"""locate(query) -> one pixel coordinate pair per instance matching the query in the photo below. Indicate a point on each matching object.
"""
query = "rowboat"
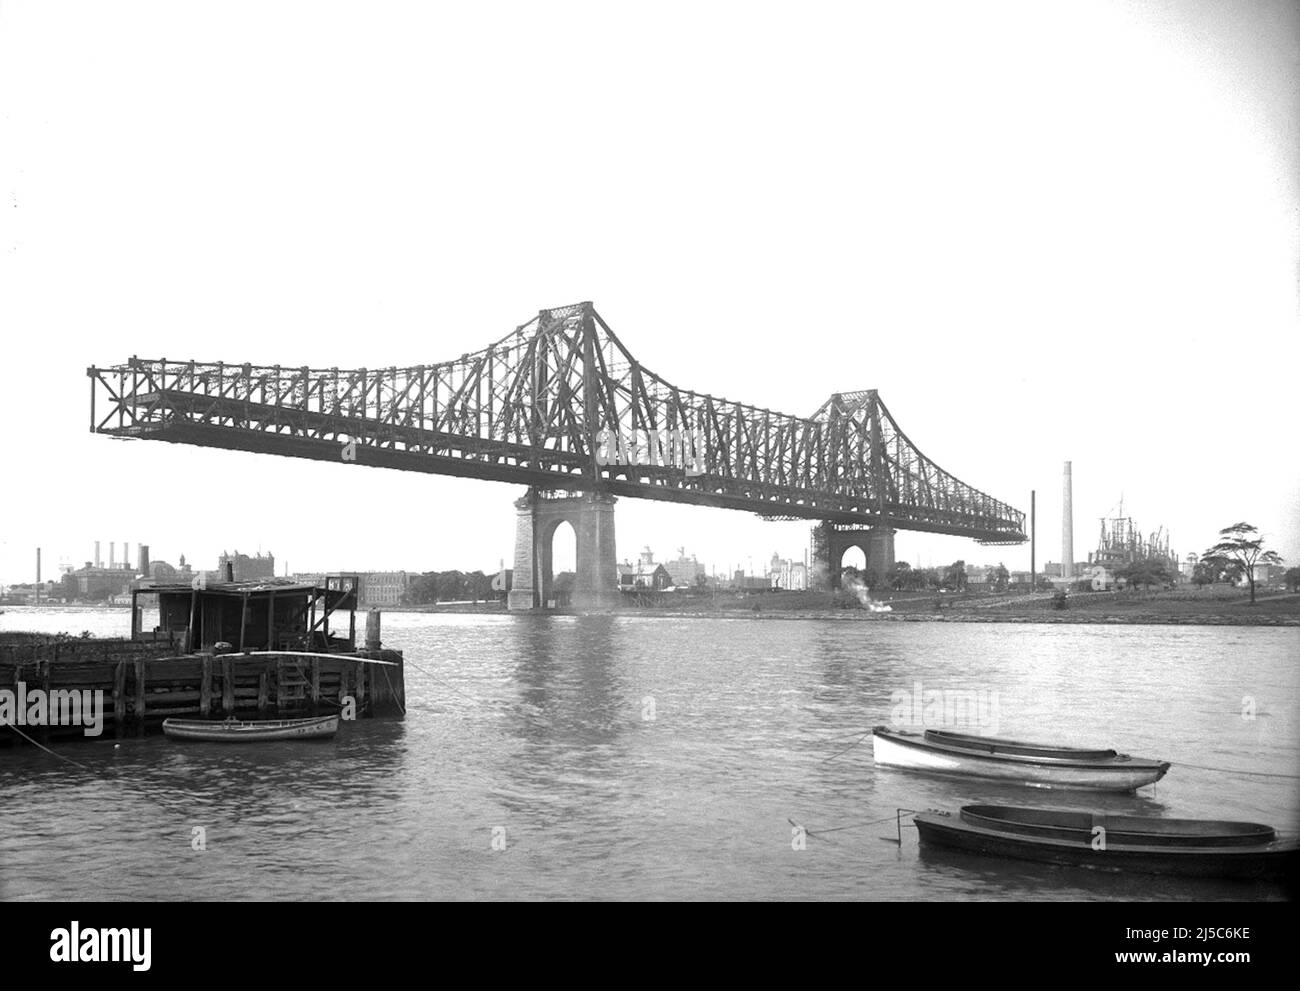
(1036, 765)
(1186, 847)
(251, 730)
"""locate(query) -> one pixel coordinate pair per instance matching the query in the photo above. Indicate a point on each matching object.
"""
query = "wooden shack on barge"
(258, 615)
(270, 649)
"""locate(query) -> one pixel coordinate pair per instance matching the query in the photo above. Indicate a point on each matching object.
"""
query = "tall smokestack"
(1033, 542)
(1067, 526)
(98, 559)
(126, 555)
(142, 551)
(112, 554)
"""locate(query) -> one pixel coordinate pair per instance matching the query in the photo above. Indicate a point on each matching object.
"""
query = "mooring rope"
(393, 690)
(450, 687)
(859, 739)
(1234, 770)
(115, 774)
(836, 829)
(322, 698)
(49, 751)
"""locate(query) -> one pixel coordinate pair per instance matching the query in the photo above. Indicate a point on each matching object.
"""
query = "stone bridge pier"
(591, 514)
(832, 540)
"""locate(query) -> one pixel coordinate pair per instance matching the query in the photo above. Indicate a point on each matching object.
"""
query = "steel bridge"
(559, 404)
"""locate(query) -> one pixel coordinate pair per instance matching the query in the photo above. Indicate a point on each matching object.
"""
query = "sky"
(1044, 232)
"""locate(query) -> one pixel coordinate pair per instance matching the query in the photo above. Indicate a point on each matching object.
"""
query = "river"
(653, 758)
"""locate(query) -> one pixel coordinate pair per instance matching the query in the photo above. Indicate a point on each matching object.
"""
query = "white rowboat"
(1032, 764)
(251, 730)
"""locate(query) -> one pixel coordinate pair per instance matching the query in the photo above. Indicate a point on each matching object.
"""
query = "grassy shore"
(1214, 606)
(1211, 606)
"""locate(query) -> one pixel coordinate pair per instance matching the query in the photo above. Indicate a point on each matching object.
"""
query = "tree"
(1242, 546)
(478, 586)
(903, 577)
(955, 577)
(1292, 578)
(999, 577)
(421, 591)
(900, 576)
(1144, 572)
(1205, 573)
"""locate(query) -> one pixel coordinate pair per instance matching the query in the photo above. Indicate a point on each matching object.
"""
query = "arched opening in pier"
(853, 562)
(559, 569)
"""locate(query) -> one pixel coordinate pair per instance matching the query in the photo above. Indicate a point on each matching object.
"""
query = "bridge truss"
(538, 408)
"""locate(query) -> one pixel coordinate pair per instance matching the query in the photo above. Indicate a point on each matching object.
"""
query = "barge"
(272, 649)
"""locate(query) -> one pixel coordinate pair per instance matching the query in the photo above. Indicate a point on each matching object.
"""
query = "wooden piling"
(140, 678)
(263, 685)
(119, 700)
(228, 686)
(43, 734)
(387, 685)
(205, 688)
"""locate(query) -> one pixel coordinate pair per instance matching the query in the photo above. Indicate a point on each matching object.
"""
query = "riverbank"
(1206, 606)
(1190, 606)
(1210, 607)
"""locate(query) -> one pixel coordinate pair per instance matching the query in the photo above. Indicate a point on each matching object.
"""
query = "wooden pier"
(141, 690)
(292, 667)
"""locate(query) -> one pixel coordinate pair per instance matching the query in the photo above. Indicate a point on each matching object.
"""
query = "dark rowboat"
(1037, 765)
(251, 730)
(1128, 830)
(1187, 847)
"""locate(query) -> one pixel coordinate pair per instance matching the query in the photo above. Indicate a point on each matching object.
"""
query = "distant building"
(1082, 570)
(645, 575)
(99, 584)
(685, 571)
(26, 594)
(377, 588)
(1266, 574)
(1122, 544)
(245, 568)
(787, 574)
(162, 573)
(383, 588)
(741, 582)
